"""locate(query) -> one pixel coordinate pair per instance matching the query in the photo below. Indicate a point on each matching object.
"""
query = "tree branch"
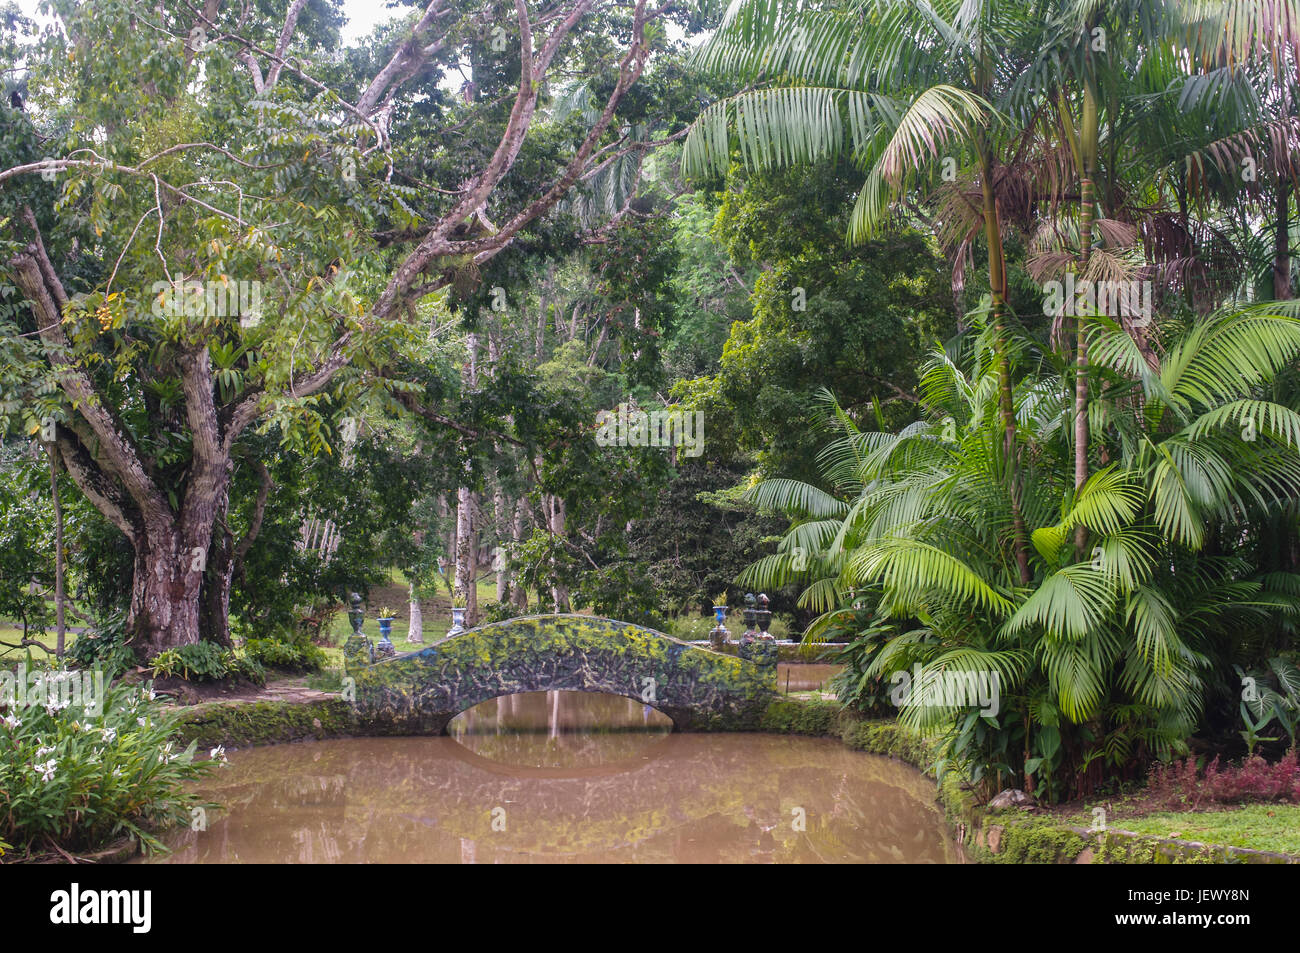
(35, 275)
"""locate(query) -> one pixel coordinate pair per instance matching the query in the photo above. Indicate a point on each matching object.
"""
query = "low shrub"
(500, 612)
(104, 647)
(247, 667)
(692, 628)
(1180, 785)
(201, 662)
(286, 656)
(80, 776)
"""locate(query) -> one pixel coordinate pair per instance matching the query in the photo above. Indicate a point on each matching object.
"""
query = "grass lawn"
(1259, 826)
(12, 656)
(436, 620)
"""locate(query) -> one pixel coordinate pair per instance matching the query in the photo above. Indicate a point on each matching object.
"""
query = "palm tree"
(1102, 661)
(1249, 54)
(907, 88)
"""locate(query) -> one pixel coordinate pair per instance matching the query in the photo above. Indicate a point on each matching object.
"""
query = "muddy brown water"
(567, 777)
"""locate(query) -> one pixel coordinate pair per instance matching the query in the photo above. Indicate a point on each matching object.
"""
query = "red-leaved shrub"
(1179, 785)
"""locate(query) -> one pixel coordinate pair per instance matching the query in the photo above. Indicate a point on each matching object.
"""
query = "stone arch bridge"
(699, 689)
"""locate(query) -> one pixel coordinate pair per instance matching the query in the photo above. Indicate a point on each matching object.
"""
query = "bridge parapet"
(699, 689)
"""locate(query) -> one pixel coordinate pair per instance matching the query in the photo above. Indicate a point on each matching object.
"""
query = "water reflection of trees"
(700, 798)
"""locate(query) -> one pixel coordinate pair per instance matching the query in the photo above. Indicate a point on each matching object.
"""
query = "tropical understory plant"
(77, 777)
(1103, 660)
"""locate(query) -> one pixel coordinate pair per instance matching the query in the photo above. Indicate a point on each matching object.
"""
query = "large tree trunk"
(165, 592)
(218, 575)
(464, 587)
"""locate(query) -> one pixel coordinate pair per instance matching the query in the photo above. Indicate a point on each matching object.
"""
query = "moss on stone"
(1031, 840)
(795, 717)
(244, 724)
(700, 690)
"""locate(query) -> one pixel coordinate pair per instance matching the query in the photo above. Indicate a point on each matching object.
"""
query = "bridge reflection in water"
(566, 776)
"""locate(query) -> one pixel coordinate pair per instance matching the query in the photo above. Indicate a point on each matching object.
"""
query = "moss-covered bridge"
(420, 692)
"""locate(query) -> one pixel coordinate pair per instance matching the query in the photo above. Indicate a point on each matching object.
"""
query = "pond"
(567, 777)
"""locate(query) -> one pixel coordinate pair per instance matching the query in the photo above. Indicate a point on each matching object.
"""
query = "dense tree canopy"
(986, 307)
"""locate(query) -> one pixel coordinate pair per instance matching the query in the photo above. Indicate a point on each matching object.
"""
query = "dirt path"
(292, 689)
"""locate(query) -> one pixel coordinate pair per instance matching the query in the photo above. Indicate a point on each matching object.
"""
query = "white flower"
(46, 771)
(42, 752)
(12, 721)
(218, 754)
(117, 772)
(108, 733)
(140, 722)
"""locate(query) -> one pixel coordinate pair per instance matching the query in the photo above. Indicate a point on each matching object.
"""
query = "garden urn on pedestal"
(719, 635)
(386, 647)
(357, 643)
(751, 620)
(764, 617)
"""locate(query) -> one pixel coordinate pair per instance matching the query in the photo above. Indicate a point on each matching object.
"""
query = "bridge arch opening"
(561, 729)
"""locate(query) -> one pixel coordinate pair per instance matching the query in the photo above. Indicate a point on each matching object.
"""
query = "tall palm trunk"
(1006, 405)
(1282, 241)
(1088, 133)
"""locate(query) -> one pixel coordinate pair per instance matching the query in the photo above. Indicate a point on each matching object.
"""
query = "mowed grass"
(1274, 827)
(12, 656)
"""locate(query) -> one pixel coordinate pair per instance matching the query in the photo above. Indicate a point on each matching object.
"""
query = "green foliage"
(619, 590)
(368, 500)
(689, 627)
(856, 321)
(104, 647)
(287, 656)
(860, 684)
(697, 537)
(499, 611)
(801, 717)
(1103, 658)
(266, 723)
(80, 780)
(202, 662)
(1270, 694)
(1037, 841)
(329, 680)
(26, 534)
(241, 665)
